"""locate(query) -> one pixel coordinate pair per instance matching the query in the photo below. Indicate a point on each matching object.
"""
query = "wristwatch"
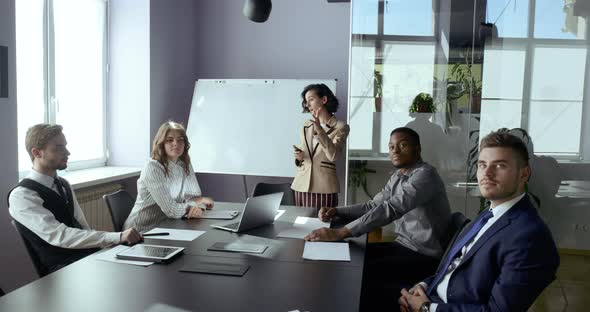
(425, 307)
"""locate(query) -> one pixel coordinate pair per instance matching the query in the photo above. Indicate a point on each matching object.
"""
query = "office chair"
(269, 188)
(458, 222)
(39, 267)
(120, 204)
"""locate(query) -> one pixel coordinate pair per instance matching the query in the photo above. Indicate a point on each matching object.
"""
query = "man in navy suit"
(505, 258)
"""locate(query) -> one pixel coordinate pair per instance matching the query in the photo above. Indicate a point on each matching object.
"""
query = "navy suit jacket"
(508, 266)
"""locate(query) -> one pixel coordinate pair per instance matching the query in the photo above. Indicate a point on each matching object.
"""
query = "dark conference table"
(277, 280)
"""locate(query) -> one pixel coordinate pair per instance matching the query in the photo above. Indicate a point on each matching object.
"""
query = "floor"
(570, 292)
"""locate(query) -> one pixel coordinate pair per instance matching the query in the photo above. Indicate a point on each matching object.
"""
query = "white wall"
(15, 266)
(128, 110)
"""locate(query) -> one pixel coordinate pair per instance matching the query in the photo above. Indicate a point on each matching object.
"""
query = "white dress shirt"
(315, 139)
(498, 211)
(26, 207)
(161, 196)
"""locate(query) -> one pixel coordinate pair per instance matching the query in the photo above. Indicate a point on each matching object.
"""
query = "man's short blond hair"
(39, 135)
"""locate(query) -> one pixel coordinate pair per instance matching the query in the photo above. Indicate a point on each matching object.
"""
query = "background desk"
(278, 280)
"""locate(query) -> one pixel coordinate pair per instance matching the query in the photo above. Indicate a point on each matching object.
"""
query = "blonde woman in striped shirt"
(167, 186)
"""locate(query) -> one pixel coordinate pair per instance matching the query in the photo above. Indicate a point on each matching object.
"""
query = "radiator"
(94, 207)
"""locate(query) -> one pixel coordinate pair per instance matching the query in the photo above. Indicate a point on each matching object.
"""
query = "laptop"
(258, 211)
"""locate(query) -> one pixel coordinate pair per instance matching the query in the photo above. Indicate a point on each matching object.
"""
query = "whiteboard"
(247, 126)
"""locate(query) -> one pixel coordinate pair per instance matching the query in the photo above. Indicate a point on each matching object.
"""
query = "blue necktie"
(459, 244)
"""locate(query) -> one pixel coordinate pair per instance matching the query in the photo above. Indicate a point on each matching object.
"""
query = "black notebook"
(216, 268)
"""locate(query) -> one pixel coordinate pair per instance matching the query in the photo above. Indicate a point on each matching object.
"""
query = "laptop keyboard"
(233, 226)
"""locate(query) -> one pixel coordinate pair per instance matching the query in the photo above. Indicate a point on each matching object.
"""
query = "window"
(556, 20)
(502, 89)
(537, 82)
(392, 60)
(365, 13)
(361, 96)
(407, 70)
(61, 48)
(557, 99)
(408, 18)
(509, 16)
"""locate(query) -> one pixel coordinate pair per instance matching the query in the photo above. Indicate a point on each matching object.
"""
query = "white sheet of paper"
(110, 255)
(175, 234)
(326, 251)
(280, 212)
(303, 226)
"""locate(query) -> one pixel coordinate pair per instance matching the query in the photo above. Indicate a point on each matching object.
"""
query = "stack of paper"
(303, 226)
(326, 251)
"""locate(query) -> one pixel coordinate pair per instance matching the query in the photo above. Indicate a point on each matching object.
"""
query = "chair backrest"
(458, 221)
(120, 204)
(269, 188)
(39, 267)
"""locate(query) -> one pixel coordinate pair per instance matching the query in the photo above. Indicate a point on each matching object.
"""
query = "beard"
(62, 167)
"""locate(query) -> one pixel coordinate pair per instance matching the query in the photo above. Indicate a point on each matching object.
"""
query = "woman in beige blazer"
(322, 138)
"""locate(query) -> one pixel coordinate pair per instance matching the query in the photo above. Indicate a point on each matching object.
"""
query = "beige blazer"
(316, 173)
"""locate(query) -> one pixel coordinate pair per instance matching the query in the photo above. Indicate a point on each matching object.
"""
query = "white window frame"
(51, 104)
(529, 43)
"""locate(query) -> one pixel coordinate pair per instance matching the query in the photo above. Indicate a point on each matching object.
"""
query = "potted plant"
(357, 176)
(378, 89)
(463, 73)
(454, 91)
(423, 103)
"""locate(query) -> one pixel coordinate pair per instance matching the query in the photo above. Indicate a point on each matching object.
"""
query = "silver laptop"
(258, 211)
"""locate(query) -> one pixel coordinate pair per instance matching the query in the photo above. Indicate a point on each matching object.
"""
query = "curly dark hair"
(320, 90)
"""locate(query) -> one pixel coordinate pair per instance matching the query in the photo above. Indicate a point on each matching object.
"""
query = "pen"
(155, 234)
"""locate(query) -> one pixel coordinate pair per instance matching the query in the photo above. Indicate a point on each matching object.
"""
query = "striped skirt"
(316, 200)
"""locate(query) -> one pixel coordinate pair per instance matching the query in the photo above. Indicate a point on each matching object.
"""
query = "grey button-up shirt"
(416, 203)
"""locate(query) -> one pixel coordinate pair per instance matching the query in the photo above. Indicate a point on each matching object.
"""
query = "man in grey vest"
(46, 211)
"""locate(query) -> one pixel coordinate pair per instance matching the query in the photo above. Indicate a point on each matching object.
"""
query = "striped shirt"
(161, 196)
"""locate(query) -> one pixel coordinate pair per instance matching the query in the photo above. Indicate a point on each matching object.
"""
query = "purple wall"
(15, 267)
(174, 51)
(303, 39)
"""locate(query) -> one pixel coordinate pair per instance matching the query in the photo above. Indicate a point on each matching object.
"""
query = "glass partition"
(488, 65)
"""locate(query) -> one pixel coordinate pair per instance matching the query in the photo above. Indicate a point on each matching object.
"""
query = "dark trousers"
(389, 267)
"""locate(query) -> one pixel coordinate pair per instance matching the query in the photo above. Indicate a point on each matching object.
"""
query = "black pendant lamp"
(257, 10)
